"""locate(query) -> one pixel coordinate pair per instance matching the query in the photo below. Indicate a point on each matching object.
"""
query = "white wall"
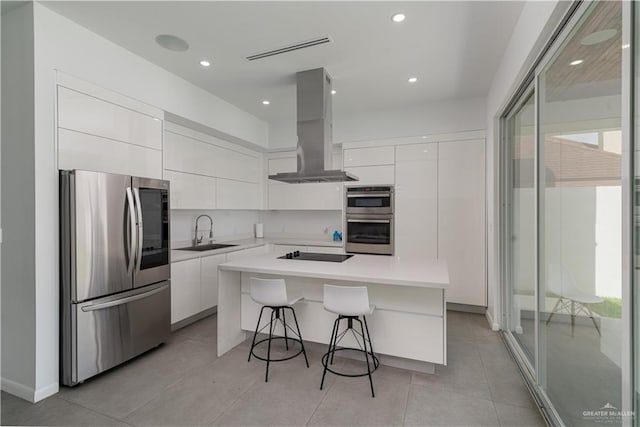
(436, 117)
(18, 204)
(535, 25)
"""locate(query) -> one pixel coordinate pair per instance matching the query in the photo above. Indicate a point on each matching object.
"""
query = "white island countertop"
(381, 269)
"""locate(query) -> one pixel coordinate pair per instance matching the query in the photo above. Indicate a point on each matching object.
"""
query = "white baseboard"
(28, 393)
(19, 390)
(494, 325)
(46, 391)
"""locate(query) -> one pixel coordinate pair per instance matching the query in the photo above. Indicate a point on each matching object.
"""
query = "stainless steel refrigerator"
(114, 270)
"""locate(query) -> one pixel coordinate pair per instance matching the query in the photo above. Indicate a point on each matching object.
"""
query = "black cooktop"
(312, 256)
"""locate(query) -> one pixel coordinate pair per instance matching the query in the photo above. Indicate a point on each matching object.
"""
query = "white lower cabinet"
(209, 280)
(185, 289)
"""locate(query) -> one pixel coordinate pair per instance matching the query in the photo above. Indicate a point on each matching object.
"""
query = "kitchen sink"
(208, 247)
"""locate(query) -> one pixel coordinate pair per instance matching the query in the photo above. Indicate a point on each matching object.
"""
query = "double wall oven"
(369, 220)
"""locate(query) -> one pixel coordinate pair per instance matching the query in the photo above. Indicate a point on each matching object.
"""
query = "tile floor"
(183, 383)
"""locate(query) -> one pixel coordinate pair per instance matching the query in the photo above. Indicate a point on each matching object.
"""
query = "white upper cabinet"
(310, 196)
(236, 194)
(372, 165)
(103, 131)
(190, 191)
(416, 200)
(371, 156)
(190, 155)
(81, 151)
(90, 115)
(210, 173)
(462, 219)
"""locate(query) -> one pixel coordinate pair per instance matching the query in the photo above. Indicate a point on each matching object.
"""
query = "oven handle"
(368, 195)
(376, 221)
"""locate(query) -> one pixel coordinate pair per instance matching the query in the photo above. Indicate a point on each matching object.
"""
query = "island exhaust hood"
(313, 95)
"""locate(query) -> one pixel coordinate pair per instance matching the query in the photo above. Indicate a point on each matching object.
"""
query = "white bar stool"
(272, 294)
(350, 303)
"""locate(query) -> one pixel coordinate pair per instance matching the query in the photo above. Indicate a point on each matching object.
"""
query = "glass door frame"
(630, 317)
(507, 224)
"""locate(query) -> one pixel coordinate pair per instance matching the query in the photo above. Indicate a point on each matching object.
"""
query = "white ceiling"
(453, 48)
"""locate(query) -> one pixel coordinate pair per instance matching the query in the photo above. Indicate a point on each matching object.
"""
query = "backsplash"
(225, 224)
(305, 224)
(240, 224)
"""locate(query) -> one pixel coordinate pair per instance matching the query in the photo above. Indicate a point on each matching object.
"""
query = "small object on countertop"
(259, 231)
(337, 236)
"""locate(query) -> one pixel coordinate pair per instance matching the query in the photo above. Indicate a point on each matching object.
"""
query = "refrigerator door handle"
(113, 303)
(133, 238)
(136, 193)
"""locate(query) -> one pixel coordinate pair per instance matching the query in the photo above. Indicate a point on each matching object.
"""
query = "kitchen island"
(408, 326)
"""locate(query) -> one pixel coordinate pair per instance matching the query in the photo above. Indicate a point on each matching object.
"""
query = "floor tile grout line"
(233, 403)
(328, 389)
(406, 403)
(95, 411)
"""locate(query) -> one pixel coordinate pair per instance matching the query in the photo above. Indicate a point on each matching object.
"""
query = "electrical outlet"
(326, 230)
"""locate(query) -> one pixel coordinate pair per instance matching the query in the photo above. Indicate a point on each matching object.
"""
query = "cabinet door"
(185, 289)
(461, 219)
(236, 194)
(368, 156)
(416, 200)
(78, 150)
(209, 280)
(372, 175)
(94, 116)
(191, 191)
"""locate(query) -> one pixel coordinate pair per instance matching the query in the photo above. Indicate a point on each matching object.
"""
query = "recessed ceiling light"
(598, 37)
(626, 46)
(265, 102)
(171, 42)
(576, 62)
(205, 63)
(333, 92)
(424, 137)
(398, 17)
(413, 79)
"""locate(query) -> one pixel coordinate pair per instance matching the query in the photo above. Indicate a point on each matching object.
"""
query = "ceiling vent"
(290, 48)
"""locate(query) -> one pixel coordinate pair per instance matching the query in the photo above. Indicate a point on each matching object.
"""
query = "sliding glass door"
(580, 234)
(563, 243)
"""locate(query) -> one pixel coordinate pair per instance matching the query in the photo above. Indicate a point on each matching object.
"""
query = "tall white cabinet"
(416, 200)
(462, 219)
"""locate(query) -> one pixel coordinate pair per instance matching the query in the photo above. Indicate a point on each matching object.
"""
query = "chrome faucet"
(197, 241)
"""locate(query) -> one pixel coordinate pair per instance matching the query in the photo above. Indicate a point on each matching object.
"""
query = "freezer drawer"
(108, 331)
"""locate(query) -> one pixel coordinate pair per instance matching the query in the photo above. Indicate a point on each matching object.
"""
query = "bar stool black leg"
(370, 343)
(326, 363)
(284, 324)
(295, 319)
(273, 312)
(336, 338)
(366, 356)
(253, 342)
